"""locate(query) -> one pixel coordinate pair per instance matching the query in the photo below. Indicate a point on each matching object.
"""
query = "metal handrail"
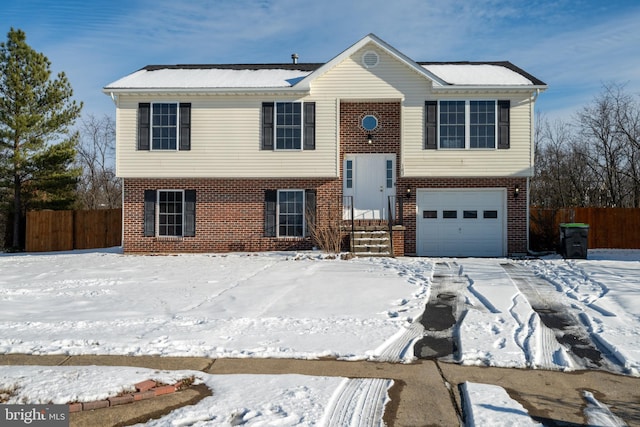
(390, 221)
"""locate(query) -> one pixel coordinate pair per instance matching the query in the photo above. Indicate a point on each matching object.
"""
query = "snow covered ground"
(301, 306)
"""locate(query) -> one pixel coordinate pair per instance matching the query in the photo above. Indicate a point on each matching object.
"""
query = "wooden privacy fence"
(67, 230)
(608, 227)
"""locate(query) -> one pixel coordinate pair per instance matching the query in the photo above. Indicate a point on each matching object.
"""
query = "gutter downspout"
(534, 97)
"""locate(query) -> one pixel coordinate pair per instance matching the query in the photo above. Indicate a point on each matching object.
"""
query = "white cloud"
(573, 46)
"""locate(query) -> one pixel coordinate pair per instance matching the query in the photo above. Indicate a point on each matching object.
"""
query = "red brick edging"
(144, 390)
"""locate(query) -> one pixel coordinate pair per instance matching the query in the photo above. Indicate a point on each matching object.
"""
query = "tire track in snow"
(522, 335)
(358, 402)
(400, 346)
(574, 345)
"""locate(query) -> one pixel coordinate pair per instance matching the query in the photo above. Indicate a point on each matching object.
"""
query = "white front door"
(368, 181)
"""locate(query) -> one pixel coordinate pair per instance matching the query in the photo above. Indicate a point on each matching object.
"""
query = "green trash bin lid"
(574, 225)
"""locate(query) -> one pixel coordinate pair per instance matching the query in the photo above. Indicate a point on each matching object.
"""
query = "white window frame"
(304, 216)
(467, 124)
(169, 190)
(153, 104)
(275, 126)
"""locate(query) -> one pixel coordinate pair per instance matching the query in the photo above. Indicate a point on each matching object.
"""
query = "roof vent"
(294, 58)
(370, 59)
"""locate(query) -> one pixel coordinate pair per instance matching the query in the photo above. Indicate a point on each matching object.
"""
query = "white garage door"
(461, 222)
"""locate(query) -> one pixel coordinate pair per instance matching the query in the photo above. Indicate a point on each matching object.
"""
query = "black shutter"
(431, 125)
(309, 125)
(267, 126)
(270, 202)
(310, 210)
(503, 124)
(189, 213)
(149, 213)
(144, 120)
(185, 126)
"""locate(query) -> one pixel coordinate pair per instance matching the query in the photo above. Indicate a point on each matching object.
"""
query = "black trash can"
(574, 240)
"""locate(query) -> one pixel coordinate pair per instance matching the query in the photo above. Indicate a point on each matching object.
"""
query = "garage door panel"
(461, 222)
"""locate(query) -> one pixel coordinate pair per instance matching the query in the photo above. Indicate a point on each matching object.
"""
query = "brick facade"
(230, 212)
(516, 206)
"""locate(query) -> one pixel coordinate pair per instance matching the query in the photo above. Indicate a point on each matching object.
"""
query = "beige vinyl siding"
(389, 80)
(515, 161)
(226, 130)
(225, 142)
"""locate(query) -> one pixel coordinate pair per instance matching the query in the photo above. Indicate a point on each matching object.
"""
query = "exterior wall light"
(516, 191)
(407, 193)
(370, 138)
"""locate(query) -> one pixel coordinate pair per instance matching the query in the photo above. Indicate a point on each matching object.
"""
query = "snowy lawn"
(294, 305)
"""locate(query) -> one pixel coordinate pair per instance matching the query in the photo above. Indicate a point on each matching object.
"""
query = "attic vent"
(370, 59)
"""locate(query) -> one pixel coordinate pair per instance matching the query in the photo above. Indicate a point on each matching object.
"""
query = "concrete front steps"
(371, 241)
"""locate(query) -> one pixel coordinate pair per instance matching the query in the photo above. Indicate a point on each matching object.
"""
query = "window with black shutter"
(431, 125)
(189, 213)
(164, 126)
(503, 124)
(170, 213)
(309, 125)
(185, 126)
(270, 210)
(310, 211)
(267, 126)
(144, 129)
(149, 213)
(288, 126)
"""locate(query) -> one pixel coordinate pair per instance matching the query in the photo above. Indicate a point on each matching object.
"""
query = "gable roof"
(298, 77)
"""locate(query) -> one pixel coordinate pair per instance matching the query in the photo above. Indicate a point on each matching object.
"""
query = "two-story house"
(218, 158)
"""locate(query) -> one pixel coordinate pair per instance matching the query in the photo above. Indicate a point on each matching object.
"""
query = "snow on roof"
(256, 76)
(478, 74)
(213, 78)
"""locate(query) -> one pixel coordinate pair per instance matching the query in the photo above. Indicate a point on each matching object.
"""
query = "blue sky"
(573, 45)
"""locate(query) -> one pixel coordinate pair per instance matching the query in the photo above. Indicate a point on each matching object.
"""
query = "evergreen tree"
(37, 146)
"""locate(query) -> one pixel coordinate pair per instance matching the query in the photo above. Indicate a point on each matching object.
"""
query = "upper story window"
(467, 124)
(288, 126)
(164, 126)
(452, 124)
(482, 124)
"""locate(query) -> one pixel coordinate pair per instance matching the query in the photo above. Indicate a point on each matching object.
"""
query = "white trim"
(467, 125)
(157, 219)
(275, 126)
(489, 88)
(304, 206)
(370, 38)
(177, 104)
